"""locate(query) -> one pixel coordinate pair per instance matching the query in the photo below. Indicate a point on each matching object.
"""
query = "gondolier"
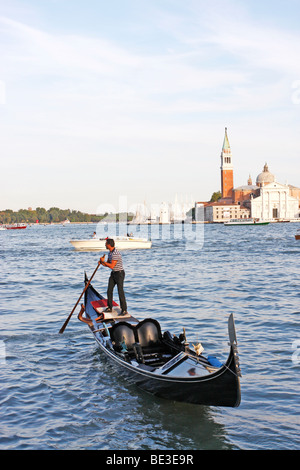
(117, 276)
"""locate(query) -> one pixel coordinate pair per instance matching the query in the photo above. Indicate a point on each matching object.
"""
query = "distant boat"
(16, 226)
(2, 227)
(246, 222)
(297, 236)
(121, 243)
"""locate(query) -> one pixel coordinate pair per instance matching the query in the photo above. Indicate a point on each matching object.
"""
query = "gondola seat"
(149, 334)
(146, 335)
(123, 331)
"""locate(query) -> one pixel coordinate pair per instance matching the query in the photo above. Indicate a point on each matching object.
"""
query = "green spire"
(226, 145)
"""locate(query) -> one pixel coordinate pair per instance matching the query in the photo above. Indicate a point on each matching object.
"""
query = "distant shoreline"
(55, 215)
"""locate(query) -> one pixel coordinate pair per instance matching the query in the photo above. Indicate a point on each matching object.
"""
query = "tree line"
(56, 215)
(52, 215)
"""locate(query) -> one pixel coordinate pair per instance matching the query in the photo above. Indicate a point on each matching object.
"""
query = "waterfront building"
(275, 203)
(272, 200)
(222, 211)
(228, 207)
(243, 193)
(266, 199)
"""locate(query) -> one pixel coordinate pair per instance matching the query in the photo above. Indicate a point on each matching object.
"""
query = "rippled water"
(58, 391)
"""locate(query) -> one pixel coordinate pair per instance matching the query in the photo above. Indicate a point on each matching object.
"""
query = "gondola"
(160, 363)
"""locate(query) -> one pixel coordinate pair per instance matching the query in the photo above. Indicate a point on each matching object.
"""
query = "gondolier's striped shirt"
(116, 255)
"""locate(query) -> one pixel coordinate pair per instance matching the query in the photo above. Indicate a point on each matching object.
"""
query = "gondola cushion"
(123, 331)
(98, 305)
(214, 361)
(147, 333)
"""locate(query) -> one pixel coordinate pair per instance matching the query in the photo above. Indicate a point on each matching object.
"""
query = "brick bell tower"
(226, 170)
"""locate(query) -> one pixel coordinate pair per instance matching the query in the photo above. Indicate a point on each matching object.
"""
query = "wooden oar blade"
(64, 325)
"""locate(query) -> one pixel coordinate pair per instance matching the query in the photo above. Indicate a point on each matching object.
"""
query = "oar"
(69, 317)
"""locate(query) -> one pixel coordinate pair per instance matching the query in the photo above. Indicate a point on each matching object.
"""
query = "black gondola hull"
(219, 388)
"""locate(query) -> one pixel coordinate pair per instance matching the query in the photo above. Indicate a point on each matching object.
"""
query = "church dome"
(265, 177)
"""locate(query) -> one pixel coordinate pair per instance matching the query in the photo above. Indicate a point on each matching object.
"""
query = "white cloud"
(74, 96)
(258, 46)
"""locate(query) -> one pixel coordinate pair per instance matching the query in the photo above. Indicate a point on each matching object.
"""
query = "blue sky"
(131, 98)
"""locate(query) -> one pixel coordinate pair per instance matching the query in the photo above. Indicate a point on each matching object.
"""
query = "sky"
(128, 100)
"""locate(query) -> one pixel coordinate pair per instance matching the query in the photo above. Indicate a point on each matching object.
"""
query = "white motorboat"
(121, 243)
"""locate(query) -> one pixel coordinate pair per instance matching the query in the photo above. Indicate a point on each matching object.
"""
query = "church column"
(280, 212)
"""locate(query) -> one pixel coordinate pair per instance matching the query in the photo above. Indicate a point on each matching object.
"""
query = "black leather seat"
(123, 331)
(149, 333)
(144, 338)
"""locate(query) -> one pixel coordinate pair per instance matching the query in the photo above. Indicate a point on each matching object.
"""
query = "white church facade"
(275, 203)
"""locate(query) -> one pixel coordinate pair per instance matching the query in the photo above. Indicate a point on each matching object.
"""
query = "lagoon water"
(59, 392)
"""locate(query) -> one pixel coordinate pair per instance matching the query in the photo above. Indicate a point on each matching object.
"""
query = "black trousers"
(116, 277)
